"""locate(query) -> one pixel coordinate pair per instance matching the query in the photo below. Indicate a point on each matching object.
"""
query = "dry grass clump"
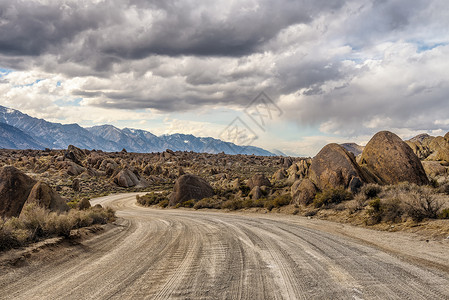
(397, 203)
(266, 202)
(152, 198)
(36, 222)
(329, 197)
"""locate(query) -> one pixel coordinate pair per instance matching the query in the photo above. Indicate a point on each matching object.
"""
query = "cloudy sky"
(335, 70)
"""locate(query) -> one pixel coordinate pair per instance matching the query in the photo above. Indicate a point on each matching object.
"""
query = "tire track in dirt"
(182, 254)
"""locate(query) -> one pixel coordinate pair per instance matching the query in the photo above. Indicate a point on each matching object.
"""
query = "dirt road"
(179, 254)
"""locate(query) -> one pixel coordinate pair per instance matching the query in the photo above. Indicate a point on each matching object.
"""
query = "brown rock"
(392, 160)
(125, 178)
(334, 166)
(15, 188)
(44, 196)
(256, 193)
(189, 187)
(258, 180)
(75, 154)
(84, 204)
(303, 192)
(434, 168)
(76, 185)
(279, 174)
(440, 148)
(74, 169)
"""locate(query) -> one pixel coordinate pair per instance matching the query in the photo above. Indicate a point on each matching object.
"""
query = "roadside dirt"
(182, 254)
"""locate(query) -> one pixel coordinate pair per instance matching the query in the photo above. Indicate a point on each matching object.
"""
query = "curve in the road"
(173, 254)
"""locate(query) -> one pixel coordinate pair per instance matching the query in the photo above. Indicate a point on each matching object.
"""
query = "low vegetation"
(36, 223)
(153, 198)
(331, 196)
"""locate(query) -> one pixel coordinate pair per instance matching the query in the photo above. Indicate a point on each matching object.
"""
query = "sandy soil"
(182, 254)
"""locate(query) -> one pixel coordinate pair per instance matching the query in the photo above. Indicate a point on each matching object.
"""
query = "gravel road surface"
(183, 254)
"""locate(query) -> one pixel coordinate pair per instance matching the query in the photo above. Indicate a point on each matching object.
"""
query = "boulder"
(75, 154)
(392, 160)
(125, 178)
(434, 168)
(280, 174)
(303, 192)
(258, 180)
(440, 149)
(333, 167)
(74, 169)
(43, 195)
(189, 187)
(76, 185)
(15, 187)
(256, 193)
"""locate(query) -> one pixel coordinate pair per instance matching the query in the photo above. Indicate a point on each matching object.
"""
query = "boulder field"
(386, 159)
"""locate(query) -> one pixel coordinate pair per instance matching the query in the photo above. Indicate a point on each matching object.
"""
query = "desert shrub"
(8, 237)
(212, 202)
(422, 204)
(371, 190)
(189, 204)
(232, 204)
(357, 204)
(311, 213)
(164, 203)
(374, 211)
(444, 214)
(282, 200)
(434, 183)
(225, 193)
(331, 196)
(151, 198)
(36, 222)
(444, 189)
(245, 190)
(392, 210)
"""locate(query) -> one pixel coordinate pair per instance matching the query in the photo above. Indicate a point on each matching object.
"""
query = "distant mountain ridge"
(21, 131)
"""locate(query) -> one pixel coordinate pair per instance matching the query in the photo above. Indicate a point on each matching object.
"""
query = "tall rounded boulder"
(392, 160)
(44, 196)
(125, 178)
(333, 167)
(15, 188)
(189, 187)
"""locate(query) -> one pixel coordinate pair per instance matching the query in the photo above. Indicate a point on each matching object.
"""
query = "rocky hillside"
(25, 132)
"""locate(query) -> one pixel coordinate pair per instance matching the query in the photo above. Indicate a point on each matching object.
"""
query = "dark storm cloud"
(29, 28)
(176, 28)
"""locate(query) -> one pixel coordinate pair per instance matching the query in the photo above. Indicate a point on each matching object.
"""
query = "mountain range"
(21, 131)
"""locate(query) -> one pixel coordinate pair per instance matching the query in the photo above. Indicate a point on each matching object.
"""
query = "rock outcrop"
(392, 161)
(258, 180)
(333, 167)
(15, 187)
(189, 187)
(43, 195)
(125, 178)
(303, 192)
(75, 154)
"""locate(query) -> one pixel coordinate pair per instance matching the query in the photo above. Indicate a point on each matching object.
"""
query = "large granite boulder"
(392, 161)
(258, 180)
(125, 178)
(15, 187)
(44, 196)
(334, 167)
(189, 187)
(303, 191)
